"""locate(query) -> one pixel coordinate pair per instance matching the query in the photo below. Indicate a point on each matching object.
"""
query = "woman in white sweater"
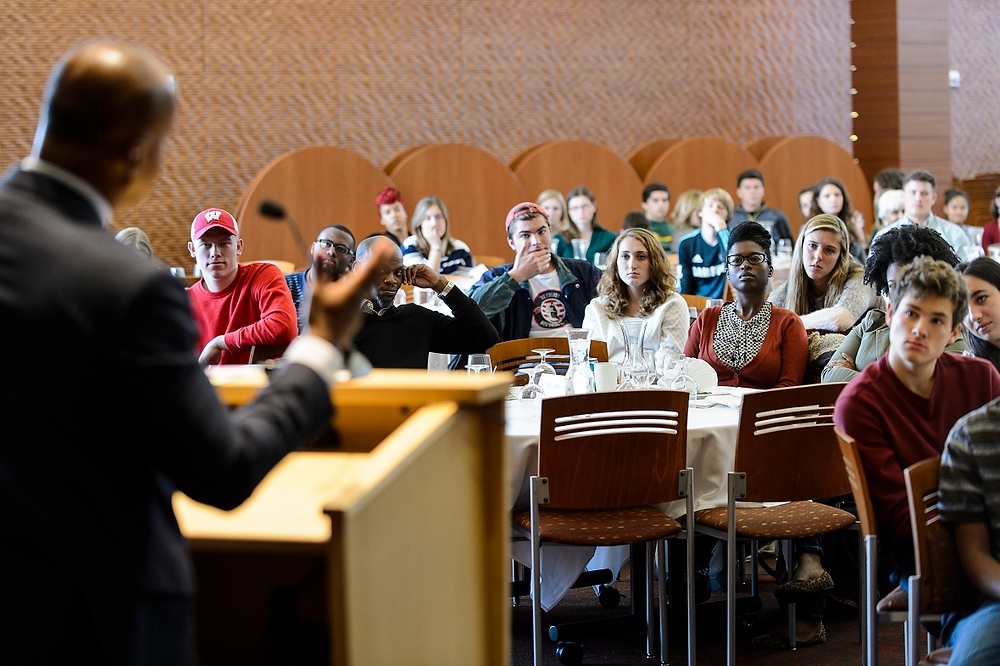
(638, 285)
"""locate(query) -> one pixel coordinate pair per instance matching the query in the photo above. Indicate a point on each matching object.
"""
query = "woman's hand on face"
(433, 238)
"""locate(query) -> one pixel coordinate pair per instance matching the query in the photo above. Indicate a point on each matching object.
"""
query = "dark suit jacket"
(103, 412)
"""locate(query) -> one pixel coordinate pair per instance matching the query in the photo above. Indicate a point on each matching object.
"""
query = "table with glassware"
(712, 429)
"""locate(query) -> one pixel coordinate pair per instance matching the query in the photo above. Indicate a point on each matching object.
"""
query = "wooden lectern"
(394, 550)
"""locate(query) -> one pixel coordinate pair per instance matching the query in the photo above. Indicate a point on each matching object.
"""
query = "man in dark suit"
(104, 411)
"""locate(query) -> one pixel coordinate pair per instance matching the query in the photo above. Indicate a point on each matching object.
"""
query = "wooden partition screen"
(700, 164)
(477, 188)
(563, 165)
(645, 155)
(318, 186)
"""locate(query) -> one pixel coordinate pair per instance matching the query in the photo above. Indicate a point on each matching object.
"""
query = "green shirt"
(663, 232)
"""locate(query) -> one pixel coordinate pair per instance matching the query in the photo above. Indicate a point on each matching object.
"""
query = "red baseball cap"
(211, 218)
(524, 210)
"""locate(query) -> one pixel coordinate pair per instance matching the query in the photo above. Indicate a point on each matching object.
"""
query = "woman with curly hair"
(637, 285)
(431, 242)
(869, 338)
(825, 284)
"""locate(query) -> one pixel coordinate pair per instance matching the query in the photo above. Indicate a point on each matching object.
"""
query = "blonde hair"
(656, 291)
(137, 238)
(797, 299)
(687, 203)
(557, 226)
(720, 195)
(418, 221)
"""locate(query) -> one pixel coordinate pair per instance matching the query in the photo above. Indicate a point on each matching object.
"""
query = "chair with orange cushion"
(786, 451)
(603, 461)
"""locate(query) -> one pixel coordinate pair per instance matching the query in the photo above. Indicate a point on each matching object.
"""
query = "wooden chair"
(284, 266)
(696, 302)
(261, 353)
(786, 451)
(871, 614)
(939, 585)
(511, 355)
(603, 460)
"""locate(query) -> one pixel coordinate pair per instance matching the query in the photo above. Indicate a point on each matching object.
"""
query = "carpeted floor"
(842, 647)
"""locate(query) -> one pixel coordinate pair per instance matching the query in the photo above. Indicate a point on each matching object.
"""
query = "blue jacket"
(508, 304)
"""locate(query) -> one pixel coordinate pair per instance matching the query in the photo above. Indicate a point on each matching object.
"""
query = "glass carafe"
(634, 370)
(579, 377)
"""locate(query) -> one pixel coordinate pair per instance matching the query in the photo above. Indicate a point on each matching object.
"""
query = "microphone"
(275, 211)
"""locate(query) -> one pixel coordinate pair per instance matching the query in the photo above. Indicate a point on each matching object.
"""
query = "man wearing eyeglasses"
(236, 306)
(332, 256)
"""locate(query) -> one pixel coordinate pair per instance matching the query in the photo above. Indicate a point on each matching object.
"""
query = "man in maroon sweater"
(900, 408)
(236, 306)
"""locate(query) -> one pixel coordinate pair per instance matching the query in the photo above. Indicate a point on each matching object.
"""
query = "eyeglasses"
(755, 259)
(337, 247)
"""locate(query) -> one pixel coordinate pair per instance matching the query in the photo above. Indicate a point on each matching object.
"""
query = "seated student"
(637, 285)
(806, 201)
(969, 504)
(655, 206)
(332, 255)
(750, 342)
(830, 198)
(991, 230)
(956, 209)
(888, 209)
(825, 285)
(431, 243)
(750, 192)
(900, 408)
(391, 214)
(685, 219)
(635, 219)
(584, 225)
(702, 254)
(540, 294)
(869, 338)
(553, 203)
(236, 306)
(919, 195)
(401, 337)
(982, 324)
(137, 238)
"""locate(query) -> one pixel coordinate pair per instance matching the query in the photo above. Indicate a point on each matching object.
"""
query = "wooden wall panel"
(975, 52)
(700, 164)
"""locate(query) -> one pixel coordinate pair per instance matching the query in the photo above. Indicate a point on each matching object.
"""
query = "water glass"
(601, 260)
(478, 363)
(580, 248)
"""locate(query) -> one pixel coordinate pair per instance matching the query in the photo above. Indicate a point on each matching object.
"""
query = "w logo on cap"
(213, 215)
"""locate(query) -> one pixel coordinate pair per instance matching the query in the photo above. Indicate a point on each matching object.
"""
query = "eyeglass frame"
(747, 258)
(336, 247)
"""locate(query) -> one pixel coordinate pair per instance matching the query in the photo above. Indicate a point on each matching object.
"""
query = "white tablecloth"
(711, 453)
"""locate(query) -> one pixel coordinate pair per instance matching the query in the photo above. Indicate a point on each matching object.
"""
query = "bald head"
(368, 245)
(107, 107)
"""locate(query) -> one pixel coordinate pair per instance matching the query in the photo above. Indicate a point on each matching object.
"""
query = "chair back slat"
(787, 446)
(944, 587)
(613, 450)
(859, 483)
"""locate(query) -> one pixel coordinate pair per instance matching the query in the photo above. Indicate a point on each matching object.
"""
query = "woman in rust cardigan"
(750, 342)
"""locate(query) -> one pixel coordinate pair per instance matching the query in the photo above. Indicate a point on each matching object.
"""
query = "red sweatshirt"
(256, 309)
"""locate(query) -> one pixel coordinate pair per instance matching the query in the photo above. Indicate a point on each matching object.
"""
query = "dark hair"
(808, 188)
(635, 219)
(901, 245)
(339, 227)
(649, 189)
(922, 175)
(749, 173)
(987, 270)
(846, 212)
(953, 192)
(994, 209)
(753, 232)
(569, 233)
(890, 179)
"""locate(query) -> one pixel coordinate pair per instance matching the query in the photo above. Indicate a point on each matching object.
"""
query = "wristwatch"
(447, 288)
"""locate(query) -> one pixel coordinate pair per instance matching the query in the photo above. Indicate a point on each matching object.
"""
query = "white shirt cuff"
(314, 352)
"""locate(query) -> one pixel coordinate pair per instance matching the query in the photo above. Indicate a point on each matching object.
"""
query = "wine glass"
(478, 363)
(543, 366)
(683, 381)
(532, 391)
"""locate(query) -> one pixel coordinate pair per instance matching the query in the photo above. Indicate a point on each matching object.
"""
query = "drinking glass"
(579, 248)
(601, 260)
(478, 363)
(543, 366)
(683, 381)
(531, 390)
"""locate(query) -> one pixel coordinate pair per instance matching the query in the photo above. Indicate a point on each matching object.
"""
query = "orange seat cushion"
(786, 521)
(607, 527)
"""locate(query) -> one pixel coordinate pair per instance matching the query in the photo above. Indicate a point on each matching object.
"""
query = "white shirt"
(548, 309)
(950, 231)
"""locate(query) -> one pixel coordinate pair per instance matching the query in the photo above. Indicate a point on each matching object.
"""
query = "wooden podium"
(394, 550)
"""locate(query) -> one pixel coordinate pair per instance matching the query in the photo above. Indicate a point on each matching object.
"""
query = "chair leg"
(786, 549)
(536, 573)
(650, 631)
(913, 622)
(870, 596)
(661, 555)
(689, 508)
(731, 565)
